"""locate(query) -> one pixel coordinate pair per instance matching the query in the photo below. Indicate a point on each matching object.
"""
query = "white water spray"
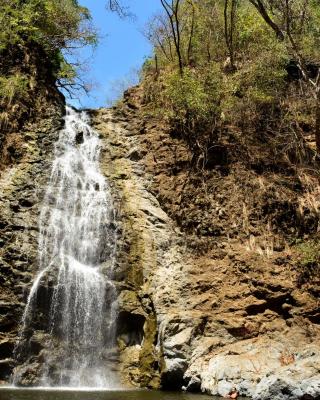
(77, 236)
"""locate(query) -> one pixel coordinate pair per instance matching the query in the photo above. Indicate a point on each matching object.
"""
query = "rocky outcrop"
(149, 253)
(208, 273)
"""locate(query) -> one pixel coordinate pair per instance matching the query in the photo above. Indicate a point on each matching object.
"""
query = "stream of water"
(77, 238)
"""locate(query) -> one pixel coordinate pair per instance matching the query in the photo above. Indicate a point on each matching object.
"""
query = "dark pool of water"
(43, 394)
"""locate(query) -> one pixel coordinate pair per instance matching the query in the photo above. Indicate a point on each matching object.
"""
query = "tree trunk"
(172, 12)
(317, 125)
(229, 28)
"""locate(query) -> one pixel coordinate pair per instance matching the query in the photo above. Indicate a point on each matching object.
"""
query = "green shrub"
(53, 25)
(189, 101)
(233, 45)
(308, 267)
(13, 88)
(309, 253)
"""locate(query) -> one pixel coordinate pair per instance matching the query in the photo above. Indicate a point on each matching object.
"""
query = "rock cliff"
(213, 291)
(26, 157)
(212, 288)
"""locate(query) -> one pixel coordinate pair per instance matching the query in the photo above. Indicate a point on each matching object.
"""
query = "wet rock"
(6, 368)
(193, 384)
(23, 178)
(128, 301)
(130, 328)
(173, 373)
(29, 375)
(6, 348)
(38, 341)
(79, 137)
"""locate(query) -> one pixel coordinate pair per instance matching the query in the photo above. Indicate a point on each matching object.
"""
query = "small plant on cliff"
(309, 261)
(13, 87)
(286, 358)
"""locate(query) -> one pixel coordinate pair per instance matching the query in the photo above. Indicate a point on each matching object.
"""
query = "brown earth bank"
(217, 269)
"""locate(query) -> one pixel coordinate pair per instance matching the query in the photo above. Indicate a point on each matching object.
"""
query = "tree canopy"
(250, 63)
(56, 26)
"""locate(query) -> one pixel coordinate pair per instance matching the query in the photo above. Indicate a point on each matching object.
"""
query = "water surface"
(44, 394)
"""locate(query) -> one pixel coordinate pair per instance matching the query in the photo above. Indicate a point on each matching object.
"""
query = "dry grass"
(310, 200)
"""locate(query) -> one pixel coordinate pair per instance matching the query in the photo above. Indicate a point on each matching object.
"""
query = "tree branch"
(258, 4)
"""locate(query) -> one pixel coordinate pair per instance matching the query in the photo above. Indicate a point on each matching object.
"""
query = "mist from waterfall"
(76, 241)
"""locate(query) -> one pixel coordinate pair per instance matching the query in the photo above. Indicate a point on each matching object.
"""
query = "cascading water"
(77, 239)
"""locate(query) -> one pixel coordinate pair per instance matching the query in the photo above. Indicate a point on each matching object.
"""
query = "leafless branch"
(117, 7)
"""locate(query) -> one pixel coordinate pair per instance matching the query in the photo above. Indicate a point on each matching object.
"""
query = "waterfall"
(76, 242)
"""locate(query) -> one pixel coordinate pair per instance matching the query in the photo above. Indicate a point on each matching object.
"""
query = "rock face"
(211, 290)
(25, 159)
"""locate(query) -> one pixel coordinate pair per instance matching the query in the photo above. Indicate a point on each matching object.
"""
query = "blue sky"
(121, 50)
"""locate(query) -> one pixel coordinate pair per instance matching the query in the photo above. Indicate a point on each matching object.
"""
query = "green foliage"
(237, 76)
(253, 90)
(309, 253)
(190, 101)
(192, 96)
(56, 26)
(13, 88)
(308, 267)
(66, 72)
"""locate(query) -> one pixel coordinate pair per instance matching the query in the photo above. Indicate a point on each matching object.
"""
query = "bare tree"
(192, 27)
(290, 31)
(229, 29)
(314, 83)
(172, 11)
(158, 32)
